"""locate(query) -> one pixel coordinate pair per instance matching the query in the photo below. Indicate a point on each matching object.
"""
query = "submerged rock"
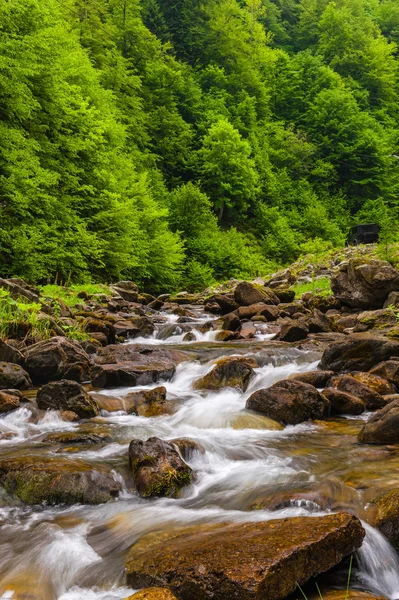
(66, 395)
(158, 469)
(57, 358)
(14, 377)
(228, 372)
(365, 284)
(9, 400)
(382, 427)
(289, 402)
(56, 481)
(387, 520)
(260, 561)
(358, 352)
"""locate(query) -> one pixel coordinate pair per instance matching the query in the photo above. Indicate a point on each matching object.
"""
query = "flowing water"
(250, 471)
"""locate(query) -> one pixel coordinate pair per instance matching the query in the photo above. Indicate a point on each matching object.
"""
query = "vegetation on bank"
(182, 143)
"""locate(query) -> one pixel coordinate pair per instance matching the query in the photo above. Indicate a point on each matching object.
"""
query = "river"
(250, 471)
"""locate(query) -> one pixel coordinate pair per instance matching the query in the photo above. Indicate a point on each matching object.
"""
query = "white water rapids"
(76, 553)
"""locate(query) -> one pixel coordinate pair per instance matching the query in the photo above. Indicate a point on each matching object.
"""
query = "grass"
(321, 287)
(318, 589)
(69, 295)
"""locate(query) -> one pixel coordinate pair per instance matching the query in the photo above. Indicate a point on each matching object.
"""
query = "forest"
(184, 142)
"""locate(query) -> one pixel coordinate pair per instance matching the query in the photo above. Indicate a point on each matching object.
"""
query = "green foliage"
(320, 286)
(179, 143)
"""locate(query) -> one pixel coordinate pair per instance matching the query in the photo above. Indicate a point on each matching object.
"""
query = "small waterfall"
(378, 564)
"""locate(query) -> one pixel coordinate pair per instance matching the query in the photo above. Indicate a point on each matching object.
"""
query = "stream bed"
(250, 471)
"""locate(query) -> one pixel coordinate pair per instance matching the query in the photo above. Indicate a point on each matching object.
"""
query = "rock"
(56, 481)
(318, 322)
(345, 595)
(66, 395)
(9, 400)
(392, 300)
(289, 402)
(158, 469)
(228, 372)
(98, 336)
(84, 439)
(375, 319)
(13, 377)
(19, 288)
(55, 359)
(247, 331)
(349, 384)
(247, 293)
(375, 382)
(92, 325)
(387, 520)
(359, 352)
(10, 354)
(244, 561)
(365, 284)
(285, 295)
(269, 311)
(126, 290)
(226, 303)
(343, 403)
(318, 379)
(293, 331)
(389, 370)
(69, 416)
(150, 403)
(231, 322)
(153, 593)
(227, 336)
(130, 365)
(382, 427)
(187, 447)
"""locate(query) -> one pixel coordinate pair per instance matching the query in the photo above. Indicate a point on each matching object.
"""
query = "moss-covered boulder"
(289, 402)
(56, 481)
(66, 395)
(247, 293)
(358, 352)
(228, 372)
(55, 359)
(13, 377)
(377, 383)
(154, 593)
(260, 561)
(387, 520)
(157, 468)
(382, 427)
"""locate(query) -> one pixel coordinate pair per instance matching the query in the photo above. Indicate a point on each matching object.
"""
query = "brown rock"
(289, 402)
(10, 354)
(345, 595)
(55, 359)
(247, 331)
(158, 469)
(353, 386)
(269, 311)
(228, 372)
(127, 290)
(68, 396)
(93, 326)
(365, 284)
(343, 403)
(382, 427)
(318, 322)
(389, 370)
(153, 593)
(13, 377)
(9, 400)
(150, 403)
(247, 293)
(261, 561)
(231, 322)
(318, 379)
(227, 336)
(187, 447)
(358, 352)
(293, 331)
(387, 520)
(375, 382)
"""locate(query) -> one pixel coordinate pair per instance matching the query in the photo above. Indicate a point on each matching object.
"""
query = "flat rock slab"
(261, 561)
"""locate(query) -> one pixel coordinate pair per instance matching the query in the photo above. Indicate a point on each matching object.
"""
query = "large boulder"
(359, 352)
(349, 384)
(318, 379)
(66, 395)
(9, 400)
(10, 354)
(387, 520)
(343, 403)
(228, 372)
(293, 330)
(379, 384)
(130, 365)
(247, 293)
(126, 290)
(364, 284)
(55, 359)
(157, 468)
(226, 303)
(269, 311)
(56, 481)
(260, 561)
(389, 370)
(382, 427)
(289, 402)
(14, 377)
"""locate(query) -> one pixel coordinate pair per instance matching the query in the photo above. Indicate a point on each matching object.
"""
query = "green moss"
(169, 483)
(320, 287)
(70, 295)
